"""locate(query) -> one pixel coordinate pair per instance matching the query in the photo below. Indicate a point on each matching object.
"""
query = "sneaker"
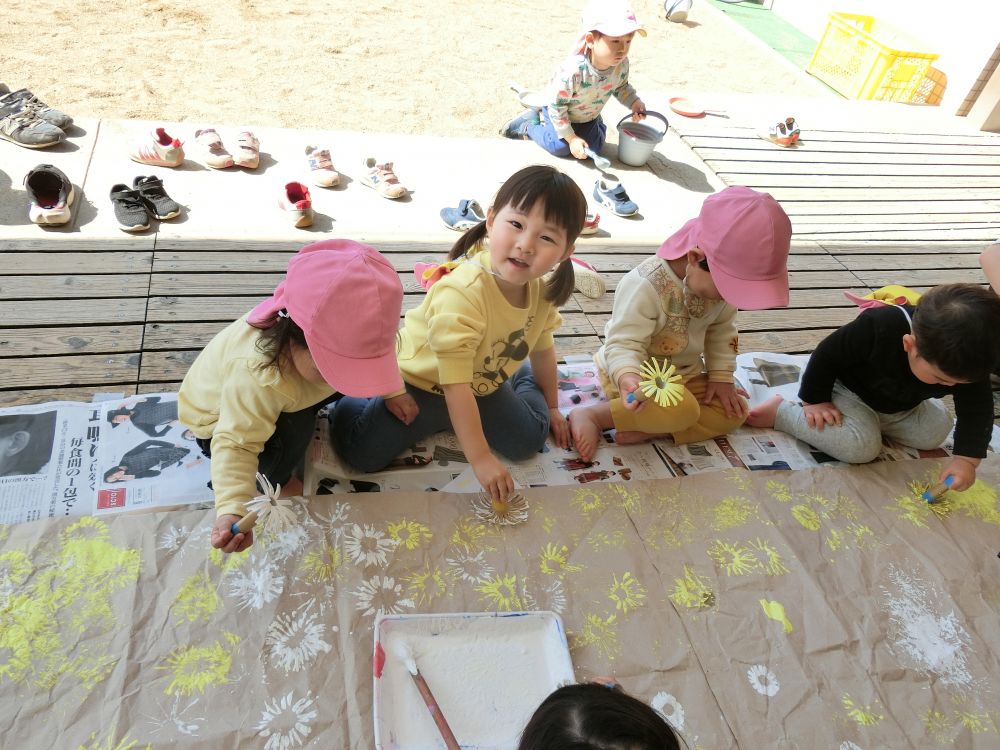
(780, 134)
(247, 151)
(213, 153)
(611, 194)
(588, 281)
(517, 129)
(321, 167)
(153, 194)
(26, 129)
(15, 101)
(130, 209)
(468, 214)
(383, 179)
(793, 129)
(297, 203)
(158, 150)
(591, 223)
(51, 195)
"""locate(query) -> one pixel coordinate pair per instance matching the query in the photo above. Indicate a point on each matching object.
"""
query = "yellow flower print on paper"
(693, 591)
(807, 517)
(976, 722)
(865, 716)
(627, 499)
(589, 501)
(733, 558)
(322, 563)
(601, 539)
(769, 559)
(779, 491)
(732, 512)
(554, 560)
(979, 502)
(501, 593)
(938, 726)
(602, 634)
(195, 668)
(425, 585)
(471, 535)
(627, 593)
(409, 534)
(196, 599)
(776, 611)
(230, 561)
(739, 477)
(15, 567)
(109, 743)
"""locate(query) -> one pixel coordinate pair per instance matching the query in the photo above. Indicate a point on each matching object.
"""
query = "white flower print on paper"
(763, 680)
(670, 709)
(285, 722)
(471, 568)
(174, 719)
(381, 596)
(173, 538)
(550, 595)
(294, 639)
(368, 546)
(256, 587)
(848, 745)
(331, 522)
(286, 543)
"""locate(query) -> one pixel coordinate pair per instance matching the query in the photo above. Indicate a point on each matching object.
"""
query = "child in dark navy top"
(883, 373)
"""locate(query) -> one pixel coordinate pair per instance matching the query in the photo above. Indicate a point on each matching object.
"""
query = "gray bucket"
(636, 140)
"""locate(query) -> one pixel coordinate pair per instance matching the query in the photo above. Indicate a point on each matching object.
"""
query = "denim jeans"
(368, 436)
(544, 134)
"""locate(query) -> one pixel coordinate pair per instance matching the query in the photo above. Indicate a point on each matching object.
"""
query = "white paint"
(763, 680)
(488, 675)
(922, 635)
(670, 709)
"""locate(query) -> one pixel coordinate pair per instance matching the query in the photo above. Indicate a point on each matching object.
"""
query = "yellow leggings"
(687, 422)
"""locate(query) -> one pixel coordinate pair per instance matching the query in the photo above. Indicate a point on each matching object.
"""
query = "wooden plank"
(25, 342)
(880, 194)
(878, 261)
(713, 156)
(24, 396)
(73, 287)
(843, 247)
(971, 229)
(894, 219)
(871, 133)
(982, 235)
(798, 299)
(882, 181)
(943, 205)
(83, 263)
(164, 309)
(83, 369)
(790, 342)
(869, 171)
(81, 311)
(916, 277)
(73, 244)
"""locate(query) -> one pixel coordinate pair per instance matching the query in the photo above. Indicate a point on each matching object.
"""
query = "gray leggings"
(859, 439)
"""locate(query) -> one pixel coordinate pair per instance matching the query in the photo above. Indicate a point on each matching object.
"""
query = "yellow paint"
(978, 502)
(733, 557)
(693, 591)
(627, 593)
(589, 502)
(741, 478)
(600, 633)
(779, 491)
(322, 563)
(471, 535)
(409, 534)
(554, 560)
(627, 499)
(501, 592)
(4, 532)
(232, 638)
(109, 743)
(939, 726)
(865, 716)
(732, 512)
(15, 567)
(548, 523)
(425, 585)
(196, 599)
(196, 668)
(230, 561)
(976, 722)
(806, 516)
(601, 539)
(768, 558)
(776, 611)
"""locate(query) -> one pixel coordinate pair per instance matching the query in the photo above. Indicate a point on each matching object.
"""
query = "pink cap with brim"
(346, 298)
(611, 18)
(745, 236)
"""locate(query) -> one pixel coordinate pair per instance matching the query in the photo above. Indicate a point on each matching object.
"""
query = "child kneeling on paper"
(251, 396)
(463, 350)
(884, 372)
(680, 306)
(596, 716)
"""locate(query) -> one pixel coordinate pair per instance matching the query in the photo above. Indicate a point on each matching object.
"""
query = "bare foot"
(585, 428)
(764, 415)
(631, 438)
(292, 487)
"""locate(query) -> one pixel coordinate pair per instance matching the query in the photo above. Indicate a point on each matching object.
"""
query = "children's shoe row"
(28, 121)
(147, 199)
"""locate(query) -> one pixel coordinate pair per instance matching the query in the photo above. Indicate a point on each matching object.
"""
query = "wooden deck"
(130, 314)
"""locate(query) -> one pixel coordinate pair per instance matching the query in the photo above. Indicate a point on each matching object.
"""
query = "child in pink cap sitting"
(679, 307)
(251, 396)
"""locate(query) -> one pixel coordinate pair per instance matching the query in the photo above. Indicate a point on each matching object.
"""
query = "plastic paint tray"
(488, 672)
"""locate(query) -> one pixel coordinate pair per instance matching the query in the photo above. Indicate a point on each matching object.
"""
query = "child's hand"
(403, 407)
(732, 402)
(963, 471)
(494, 477)
(559, 427)
(638, 110)
(819, 416)
(222, 535)
(577, 147)
(627, 384)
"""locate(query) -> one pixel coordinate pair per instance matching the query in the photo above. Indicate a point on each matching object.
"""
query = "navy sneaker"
(517, 129)
(130, 209)
(611, 194)
(465, 217)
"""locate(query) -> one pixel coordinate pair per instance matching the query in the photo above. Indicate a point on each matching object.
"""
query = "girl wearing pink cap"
(679, 307)
(251, 396)
(463, 351)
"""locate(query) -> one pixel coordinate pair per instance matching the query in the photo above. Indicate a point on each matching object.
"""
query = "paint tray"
(488, 672)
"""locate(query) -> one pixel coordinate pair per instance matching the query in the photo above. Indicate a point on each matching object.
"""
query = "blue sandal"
(468, 214)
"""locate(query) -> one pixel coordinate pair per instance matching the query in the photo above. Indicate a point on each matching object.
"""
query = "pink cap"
(346, 298)
(745, 236)
(611, 18)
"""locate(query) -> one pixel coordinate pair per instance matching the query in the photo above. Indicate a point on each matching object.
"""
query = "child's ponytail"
(559, 286)
(275, 342)
(467, 241)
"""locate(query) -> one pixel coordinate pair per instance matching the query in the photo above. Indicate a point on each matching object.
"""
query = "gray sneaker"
(25, 129)
(130, 209)
(15, 101)
(161, 205)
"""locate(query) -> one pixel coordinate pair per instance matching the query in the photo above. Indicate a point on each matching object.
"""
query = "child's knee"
(861, 450)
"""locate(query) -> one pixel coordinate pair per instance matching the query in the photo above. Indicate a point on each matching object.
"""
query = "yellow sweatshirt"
(655, 316)
(465, 331)
(229, 396)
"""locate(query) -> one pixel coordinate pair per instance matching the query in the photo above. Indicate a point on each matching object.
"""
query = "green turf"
(772, 29)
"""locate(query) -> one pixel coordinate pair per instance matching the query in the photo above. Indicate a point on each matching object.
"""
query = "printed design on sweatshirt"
(503, 351)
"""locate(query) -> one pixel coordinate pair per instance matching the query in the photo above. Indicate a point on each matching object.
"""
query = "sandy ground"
(436, 67)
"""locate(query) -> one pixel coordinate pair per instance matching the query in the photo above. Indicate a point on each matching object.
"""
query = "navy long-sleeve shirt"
(867, 357)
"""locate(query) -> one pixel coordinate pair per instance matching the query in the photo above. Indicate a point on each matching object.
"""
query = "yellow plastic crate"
(867, 59)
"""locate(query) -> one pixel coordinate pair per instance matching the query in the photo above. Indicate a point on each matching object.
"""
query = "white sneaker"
(321, 167)
(297, 204)
(159, 150)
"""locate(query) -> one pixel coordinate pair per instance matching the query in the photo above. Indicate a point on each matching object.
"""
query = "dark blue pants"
(368, 436)
(544, 134)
